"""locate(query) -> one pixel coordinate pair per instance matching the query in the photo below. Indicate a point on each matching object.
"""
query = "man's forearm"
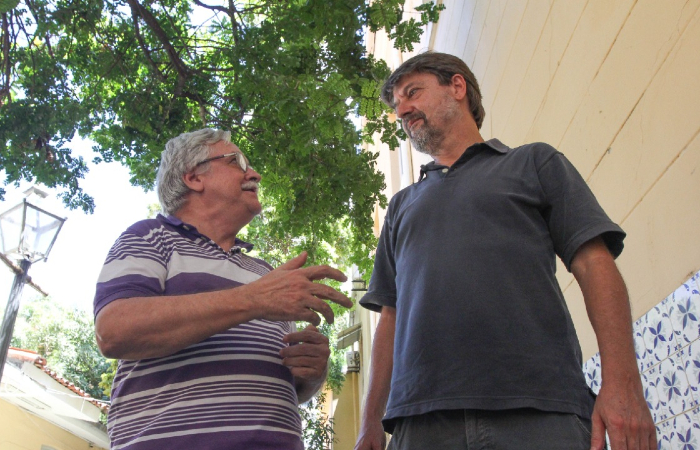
(382, 365)
(607, 303)
(151, 327)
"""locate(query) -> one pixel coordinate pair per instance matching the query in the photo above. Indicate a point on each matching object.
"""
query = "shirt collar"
(491, 144)
(175, 221)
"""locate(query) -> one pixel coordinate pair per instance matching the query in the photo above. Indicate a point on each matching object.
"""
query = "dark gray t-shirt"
(467, 258)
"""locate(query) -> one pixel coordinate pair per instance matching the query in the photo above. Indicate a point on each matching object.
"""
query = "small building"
(43, 411)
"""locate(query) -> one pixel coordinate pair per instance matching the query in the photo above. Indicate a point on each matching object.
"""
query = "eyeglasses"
(240, 159)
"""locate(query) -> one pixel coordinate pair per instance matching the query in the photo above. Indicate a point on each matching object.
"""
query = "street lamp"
(27, 233)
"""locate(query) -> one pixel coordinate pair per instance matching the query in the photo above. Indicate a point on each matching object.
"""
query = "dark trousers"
(517, 429)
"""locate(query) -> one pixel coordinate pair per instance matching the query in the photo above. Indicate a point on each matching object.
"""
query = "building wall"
(21, 430)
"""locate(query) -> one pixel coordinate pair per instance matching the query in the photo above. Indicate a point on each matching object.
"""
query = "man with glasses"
(209, 357)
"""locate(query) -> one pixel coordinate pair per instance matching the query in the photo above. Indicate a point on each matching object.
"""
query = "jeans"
(517, 429)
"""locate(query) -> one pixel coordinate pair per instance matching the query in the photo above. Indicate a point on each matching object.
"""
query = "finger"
(321, 351)
(295, 263)
(307, 315)
(306, 335)
(653, 443)
(328, 293)
(312, 362)
(321, 272)
(597, 432)
(321, 307)
(306, 373)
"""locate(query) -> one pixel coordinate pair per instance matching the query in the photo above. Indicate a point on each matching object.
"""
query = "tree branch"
(180, 67)
(5, 62)
(144, 47)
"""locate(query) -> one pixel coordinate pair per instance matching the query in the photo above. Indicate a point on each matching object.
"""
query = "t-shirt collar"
(175, 221)
(491, 144)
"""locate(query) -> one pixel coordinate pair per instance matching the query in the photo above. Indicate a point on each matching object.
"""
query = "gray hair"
(444, 67)
(180, 156)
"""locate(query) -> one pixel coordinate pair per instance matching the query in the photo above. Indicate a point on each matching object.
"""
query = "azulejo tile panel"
(667, 345)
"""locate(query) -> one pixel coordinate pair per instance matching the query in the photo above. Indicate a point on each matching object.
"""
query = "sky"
(70, 273)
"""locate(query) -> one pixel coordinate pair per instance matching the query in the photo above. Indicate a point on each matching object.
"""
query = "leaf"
(8, 5)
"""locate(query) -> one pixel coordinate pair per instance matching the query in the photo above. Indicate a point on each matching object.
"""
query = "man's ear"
(459, 86)
(193, 180)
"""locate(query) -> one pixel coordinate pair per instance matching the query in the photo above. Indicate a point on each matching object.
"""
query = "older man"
(475, 348)
(208, 353)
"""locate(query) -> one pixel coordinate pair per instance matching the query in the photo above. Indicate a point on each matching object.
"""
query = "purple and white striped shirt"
(229, 391)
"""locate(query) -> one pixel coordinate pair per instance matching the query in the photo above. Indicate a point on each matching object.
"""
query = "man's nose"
(251, 174)
(403, 109)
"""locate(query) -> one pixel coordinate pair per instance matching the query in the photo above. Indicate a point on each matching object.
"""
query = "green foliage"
(317, 429)
(285, 77)
(66, 338)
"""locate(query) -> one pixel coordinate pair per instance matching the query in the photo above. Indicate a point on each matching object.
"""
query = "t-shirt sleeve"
(572, 212)
(382, 285)
(133, 268)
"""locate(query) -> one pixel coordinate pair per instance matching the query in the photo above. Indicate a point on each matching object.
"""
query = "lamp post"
(27, 234)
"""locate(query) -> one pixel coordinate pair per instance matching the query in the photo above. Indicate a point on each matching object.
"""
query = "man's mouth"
(251, 187)
(413, 120)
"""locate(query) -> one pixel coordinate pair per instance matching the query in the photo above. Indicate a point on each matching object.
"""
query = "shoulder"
(538, 151)
(144, 227)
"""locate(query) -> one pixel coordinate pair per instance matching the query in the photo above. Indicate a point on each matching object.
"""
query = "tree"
(66, 338)
(284, 76)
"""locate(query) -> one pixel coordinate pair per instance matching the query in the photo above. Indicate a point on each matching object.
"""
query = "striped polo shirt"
(229, 391)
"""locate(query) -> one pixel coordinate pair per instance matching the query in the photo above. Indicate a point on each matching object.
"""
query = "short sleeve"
(133, 268)
(572, 212)
(382, 285)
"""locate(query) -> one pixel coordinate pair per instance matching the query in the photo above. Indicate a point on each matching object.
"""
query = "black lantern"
(27, 234)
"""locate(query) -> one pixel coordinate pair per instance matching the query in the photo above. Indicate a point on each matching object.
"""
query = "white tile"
(649, 381)
(640, 348)
(658, 336)
(663, 439)
(684, 313)
(686, 432)
(673, 388)
(691, 356)
(591, 371)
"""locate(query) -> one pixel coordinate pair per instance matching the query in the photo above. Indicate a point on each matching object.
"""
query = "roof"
(38, 361)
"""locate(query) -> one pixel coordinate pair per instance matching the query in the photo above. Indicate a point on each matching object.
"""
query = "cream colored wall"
(346, 413)
(20, 430)
(615, 86)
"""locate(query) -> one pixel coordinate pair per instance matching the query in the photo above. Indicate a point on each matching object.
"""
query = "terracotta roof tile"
(40, 362)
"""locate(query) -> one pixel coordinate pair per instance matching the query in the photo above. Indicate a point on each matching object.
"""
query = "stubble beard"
(427, 138)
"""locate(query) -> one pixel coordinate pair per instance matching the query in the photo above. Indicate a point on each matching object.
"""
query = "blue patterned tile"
(640, 349)
(664, 433)
(650, 380)
(691, 357)
(658, 335)
(591, 371)
(696, 279)
(674, 390)
(686, 432)
(663, 440)
(684, 313)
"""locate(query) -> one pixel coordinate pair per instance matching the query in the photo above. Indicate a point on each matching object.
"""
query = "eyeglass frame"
(241, 160)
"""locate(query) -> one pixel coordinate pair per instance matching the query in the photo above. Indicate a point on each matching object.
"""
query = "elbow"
(108, 347)
(108, 338)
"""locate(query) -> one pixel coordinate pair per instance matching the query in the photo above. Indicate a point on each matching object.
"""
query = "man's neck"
(214, 226)
(456, 143)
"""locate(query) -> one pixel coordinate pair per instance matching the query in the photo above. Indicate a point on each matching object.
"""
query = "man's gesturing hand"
(307, 355)
(289, 292)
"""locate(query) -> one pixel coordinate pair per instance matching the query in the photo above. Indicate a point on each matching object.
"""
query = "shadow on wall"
(667, 343)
